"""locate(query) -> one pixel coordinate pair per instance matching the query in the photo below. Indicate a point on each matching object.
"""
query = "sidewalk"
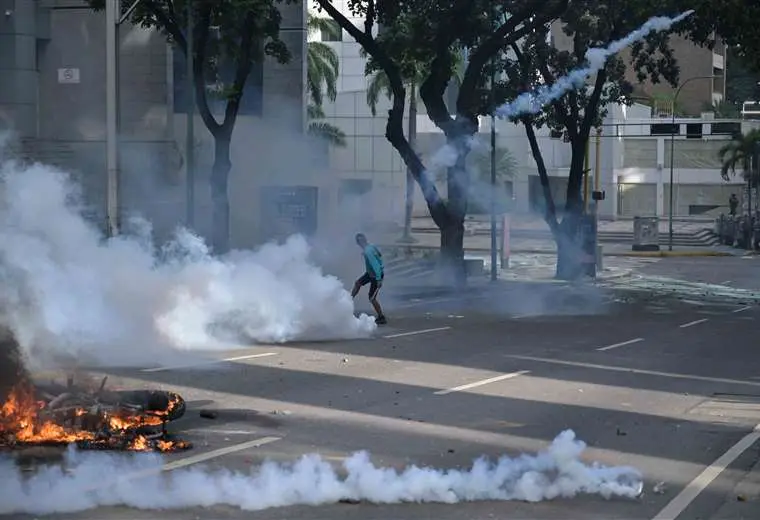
(532, 223)
(478, 244)
(410, 278)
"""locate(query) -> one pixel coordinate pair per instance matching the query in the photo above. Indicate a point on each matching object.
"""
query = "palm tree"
(743, 152)
(322, 68)
(479, 163)
(506, 164)
(379, 84)
(739, 153)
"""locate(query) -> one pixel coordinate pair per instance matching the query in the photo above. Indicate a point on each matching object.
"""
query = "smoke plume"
(68, 291)
(91, 480)
(533, 102)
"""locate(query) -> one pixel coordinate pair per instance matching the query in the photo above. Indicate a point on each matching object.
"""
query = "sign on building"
(68, 76)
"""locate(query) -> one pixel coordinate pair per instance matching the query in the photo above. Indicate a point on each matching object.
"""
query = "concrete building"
(702, 74)
(52, 95)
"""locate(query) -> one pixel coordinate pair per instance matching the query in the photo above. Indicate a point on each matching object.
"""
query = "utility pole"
(112, 116)
(494, 272)
(673, 130)
(190, 136)
(494, 266)
(114, 19)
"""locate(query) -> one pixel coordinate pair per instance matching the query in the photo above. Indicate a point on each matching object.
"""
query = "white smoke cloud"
(533, 102)
(91, 480)
(66, 290)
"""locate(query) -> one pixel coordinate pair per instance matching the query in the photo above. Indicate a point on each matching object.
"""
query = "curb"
(646, 254)
(640, 254)
(634, 254)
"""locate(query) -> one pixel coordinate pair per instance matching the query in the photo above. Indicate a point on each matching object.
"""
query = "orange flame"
(22, 423)
(19, 418)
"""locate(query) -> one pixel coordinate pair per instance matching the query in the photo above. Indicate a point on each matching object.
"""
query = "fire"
(25, 420)
(20, 419)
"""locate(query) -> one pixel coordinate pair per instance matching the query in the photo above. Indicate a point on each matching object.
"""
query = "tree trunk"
(569, 240)
(219, 195)
(452, 232)
(409, 199)
(569, 247)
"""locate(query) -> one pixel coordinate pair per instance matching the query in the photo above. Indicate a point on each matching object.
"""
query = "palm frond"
(378, 83)
(322, 70)
(328, 132)
(324, 25)
(314, 112)
(738, 153)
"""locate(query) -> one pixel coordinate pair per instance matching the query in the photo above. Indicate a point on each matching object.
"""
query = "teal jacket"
(373, 261)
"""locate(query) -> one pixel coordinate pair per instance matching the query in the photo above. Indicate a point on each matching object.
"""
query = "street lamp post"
(190, 129)
(114, 18)
(112, 117)
(494, 273)
(672, 146)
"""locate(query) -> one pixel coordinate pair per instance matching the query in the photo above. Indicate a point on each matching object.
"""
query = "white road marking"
(213, 454)
(725, 282)
(415, 332)
(488, 381)
(419, 301)
(621, 344)
(220, 432)
(212, 362)
(741, 309)
(682, 500)
(671, 375)
(187, 461)
(692, 323)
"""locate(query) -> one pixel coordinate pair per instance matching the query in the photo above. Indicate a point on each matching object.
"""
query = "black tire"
(156, 401)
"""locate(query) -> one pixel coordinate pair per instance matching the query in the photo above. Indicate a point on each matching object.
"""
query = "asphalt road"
(667, 387)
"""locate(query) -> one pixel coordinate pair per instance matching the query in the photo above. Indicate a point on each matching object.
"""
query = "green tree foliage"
(430, 34)
(322, 70)
(239, 33)
(734, 21)
(738, 154)
(537, 60)
(742, 82)
(321, 129)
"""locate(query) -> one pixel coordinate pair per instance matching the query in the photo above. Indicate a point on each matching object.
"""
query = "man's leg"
(373, 290)
(361, 281)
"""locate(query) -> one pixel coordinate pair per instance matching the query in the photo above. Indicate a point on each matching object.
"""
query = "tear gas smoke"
(66, 291)
(533, 102)
(91, 480)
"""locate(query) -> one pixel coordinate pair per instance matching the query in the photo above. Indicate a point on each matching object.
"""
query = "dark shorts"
(374, 285)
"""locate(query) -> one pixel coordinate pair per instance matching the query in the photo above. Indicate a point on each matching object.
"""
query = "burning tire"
(55, 415)
(167, 404)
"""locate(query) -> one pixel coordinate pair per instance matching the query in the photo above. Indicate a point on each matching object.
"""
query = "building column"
(660, 177)
(521, 193)
(18, 67)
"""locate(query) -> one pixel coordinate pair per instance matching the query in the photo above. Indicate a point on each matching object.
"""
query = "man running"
(373, 265)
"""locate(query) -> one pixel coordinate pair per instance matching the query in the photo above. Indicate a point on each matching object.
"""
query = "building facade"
(701, 78)
(53, 99)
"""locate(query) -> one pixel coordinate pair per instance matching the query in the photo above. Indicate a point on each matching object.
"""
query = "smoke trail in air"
(92, 480)
(533, 102)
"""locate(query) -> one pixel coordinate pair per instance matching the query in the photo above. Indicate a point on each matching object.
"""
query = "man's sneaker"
(380, 320)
